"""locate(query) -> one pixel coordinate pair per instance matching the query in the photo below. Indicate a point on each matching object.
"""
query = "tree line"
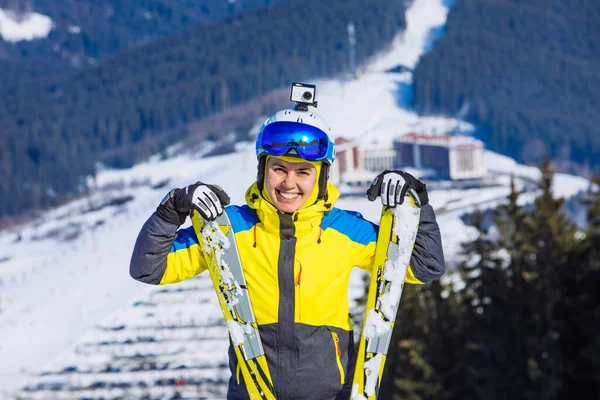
(87, 31)
(54, 133)
(520, 323)
(525, 74)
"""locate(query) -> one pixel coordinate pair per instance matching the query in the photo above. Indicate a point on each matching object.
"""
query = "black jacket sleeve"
(427, 261)
(149, 259)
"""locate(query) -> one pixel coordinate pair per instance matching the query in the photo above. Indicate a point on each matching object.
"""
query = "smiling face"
(289, 184)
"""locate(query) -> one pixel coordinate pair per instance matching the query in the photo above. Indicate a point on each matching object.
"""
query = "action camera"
(303, 94)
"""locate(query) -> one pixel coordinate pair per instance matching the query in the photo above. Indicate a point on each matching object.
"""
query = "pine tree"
(543, 263)
(510, 220)
(580, 309)
(524, 324)
(407, 372)
(491, 324)
(444, 340)
(426, 344)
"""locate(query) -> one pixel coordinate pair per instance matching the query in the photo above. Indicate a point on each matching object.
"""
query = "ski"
(395, 242)
(223, 261)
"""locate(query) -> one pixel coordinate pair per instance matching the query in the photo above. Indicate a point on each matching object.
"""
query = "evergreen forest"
(87, 31)
(56, 130)
(526, 73)
(522, 320)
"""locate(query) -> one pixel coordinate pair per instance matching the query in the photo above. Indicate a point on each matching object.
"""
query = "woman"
(297, 250)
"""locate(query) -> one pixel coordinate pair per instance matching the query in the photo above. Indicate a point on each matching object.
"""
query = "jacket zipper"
(338, 356)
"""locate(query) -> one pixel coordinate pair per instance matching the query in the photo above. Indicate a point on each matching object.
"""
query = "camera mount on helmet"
(303, 94)
(282, 131)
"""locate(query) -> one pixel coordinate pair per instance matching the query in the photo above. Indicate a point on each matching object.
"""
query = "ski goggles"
(311, 143)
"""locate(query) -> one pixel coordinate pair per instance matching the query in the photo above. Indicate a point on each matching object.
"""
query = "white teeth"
(288, 195)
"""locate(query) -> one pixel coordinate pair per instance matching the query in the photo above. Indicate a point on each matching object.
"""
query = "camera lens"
(307, 95)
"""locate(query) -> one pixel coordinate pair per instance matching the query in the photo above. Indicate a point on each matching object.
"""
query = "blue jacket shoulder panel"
(351, 224)
(242, 218)
(186, 238)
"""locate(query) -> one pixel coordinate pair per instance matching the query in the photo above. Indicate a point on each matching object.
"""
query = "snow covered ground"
(71, 318)
(14, 28)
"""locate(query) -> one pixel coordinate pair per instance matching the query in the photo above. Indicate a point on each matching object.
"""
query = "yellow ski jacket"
(297, 267)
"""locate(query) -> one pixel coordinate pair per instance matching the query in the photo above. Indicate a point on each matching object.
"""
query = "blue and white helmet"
(298, 133)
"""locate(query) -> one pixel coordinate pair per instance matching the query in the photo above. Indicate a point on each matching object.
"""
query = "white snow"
(14, 28)
(70, 302)
(376, 325)
(407, 218)
(389, 300)
(237, 330)
(355, 395)
(215, 241)
(423, 19)
(394, 272)
(342, 104)
(372, 371)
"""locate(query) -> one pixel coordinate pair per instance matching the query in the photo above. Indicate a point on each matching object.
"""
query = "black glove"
(208, 200)
(392, 186)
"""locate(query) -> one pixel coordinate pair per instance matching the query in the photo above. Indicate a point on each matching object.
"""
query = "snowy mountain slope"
(71, 318)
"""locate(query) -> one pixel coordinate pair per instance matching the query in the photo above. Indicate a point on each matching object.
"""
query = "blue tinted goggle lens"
(279, 137)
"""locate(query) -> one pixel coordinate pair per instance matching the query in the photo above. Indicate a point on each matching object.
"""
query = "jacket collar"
(307, 220)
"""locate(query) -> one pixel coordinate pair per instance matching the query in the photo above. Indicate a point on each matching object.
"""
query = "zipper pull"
(336, 339)
(299, 275)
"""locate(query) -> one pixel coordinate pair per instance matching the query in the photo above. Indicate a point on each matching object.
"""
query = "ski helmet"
(298, 133)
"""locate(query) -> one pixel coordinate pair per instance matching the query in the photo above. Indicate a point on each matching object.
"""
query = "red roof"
(439, 140)
(422, 138)
(341, 140)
